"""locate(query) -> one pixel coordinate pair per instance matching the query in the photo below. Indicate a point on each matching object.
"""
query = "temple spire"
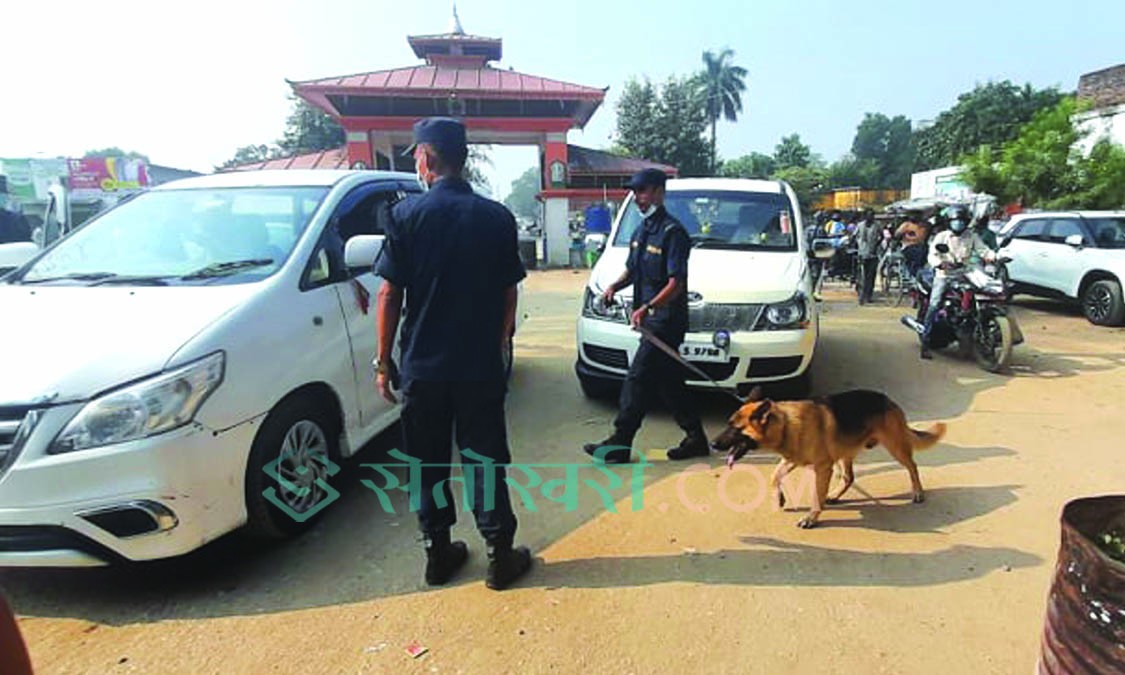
(455, 23)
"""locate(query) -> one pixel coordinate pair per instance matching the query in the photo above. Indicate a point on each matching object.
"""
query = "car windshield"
(724, 219)
(1108, 232)
(184, 236)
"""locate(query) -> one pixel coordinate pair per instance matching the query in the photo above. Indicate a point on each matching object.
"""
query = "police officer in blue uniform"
(657, 268)
(454, 255)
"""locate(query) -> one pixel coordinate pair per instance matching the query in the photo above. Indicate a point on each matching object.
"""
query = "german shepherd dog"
(821, 432)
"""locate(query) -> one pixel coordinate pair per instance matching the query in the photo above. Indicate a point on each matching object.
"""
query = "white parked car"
(752, 317)
(1074, 255)
(189, 362)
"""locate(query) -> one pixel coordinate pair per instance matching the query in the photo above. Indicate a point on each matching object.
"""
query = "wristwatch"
(380, 366)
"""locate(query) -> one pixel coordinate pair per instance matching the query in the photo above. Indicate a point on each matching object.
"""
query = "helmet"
(958, 217)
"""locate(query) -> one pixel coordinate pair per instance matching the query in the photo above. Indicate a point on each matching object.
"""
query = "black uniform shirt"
(658, 252)
(454, 253)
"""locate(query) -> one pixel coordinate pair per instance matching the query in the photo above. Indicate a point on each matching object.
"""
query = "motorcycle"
(973, 313)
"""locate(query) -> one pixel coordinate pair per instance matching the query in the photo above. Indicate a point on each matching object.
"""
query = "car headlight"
(154, 406)
(594, 307)
(788, 314)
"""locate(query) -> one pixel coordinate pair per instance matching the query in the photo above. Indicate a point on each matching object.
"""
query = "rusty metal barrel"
(1084, 629)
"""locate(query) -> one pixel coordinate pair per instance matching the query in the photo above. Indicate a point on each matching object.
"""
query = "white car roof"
(733, 184)
(1072, 214)
(278, 178)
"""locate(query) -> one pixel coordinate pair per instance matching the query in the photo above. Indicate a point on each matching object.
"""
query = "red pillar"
(555, 165)
(360, 155)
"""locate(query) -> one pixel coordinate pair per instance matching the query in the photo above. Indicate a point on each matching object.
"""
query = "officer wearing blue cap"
(454, 255)
(657, 268)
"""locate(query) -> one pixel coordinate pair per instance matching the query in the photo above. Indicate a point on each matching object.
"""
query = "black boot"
(926, 352)
(443, 558)
(506, 564)
(620, 452)
(695, 444)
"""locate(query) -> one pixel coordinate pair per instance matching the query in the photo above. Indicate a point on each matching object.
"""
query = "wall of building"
(1106, 123)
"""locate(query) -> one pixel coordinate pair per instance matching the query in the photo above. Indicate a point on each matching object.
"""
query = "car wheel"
(1102, 303)
(287, 474)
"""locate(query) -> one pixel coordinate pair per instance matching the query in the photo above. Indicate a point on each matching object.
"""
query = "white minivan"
(188, 362)
(752, 316)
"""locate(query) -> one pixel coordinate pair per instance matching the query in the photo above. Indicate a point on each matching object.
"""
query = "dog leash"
(676, 356)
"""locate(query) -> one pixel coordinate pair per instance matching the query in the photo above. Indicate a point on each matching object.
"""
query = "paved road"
(705, 577)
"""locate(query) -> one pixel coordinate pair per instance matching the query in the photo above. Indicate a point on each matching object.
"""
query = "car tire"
(1102, 303)
(298, 433)
(1002, 275)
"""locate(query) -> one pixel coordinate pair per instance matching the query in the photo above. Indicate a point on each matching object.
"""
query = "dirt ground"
(706, 577)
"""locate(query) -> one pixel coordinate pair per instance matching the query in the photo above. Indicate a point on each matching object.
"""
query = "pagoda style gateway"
(378, 111)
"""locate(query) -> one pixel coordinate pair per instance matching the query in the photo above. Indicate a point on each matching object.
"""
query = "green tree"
(665, 126)
(807, 182)
(754, 165)
(521, 200)
(791, 153)
(850, 171)
(309, 129)
(887, 143)
(1044, 168)
(991, 114)
(117, 152)
(723, 84)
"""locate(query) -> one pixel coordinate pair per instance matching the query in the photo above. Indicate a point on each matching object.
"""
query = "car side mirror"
(361, 251)
(1075, 240)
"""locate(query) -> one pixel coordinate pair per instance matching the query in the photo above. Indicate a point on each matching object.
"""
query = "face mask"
(647, 213)
(958, 226)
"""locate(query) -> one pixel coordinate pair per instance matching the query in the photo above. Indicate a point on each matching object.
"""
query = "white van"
(752, 317)
(189, 362)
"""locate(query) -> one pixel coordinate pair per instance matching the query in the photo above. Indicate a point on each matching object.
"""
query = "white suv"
(1077, 255)
(752, 318)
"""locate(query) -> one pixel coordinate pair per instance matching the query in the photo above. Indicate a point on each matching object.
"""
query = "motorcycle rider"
(963, 244)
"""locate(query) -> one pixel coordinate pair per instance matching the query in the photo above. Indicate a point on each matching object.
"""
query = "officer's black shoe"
(444, 558)
(613, 450)
(695, 444)
(506, 565)
(926, 353)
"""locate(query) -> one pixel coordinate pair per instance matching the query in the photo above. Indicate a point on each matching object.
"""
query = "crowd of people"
(862, 241)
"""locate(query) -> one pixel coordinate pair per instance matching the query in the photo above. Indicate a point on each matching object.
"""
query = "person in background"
(867, 237)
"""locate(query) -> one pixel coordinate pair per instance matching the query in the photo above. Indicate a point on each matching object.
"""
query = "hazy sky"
(188, 83)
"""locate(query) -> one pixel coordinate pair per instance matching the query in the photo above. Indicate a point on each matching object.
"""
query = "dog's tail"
(924, 440)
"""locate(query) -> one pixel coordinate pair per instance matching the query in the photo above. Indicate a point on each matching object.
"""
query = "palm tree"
(723, 85)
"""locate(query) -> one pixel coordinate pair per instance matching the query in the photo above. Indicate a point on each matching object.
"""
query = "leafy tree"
(1043, 168)
(521, 200)
(886, 144)
(754, 165)
(806, 181)
(723, 84)
(310, 129)
(792, 153)
(850, 171)
(665, 126)
(117, 152)
(991, 114)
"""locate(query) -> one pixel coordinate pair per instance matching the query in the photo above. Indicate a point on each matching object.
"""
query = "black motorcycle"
(973, 313)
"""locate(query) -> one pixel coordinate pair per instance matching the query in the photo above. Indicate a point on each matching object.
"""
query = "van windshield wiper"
(226, 268)
(143, 279)
(701, 240)
(76, 276)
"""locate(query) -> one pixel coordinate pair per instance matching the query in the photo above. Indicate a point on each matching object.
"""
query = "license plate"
(703, 352)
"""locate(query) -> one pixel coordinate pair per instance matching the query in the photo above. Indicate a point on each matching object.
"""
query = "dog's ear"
(761, 413)
(755, 394)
